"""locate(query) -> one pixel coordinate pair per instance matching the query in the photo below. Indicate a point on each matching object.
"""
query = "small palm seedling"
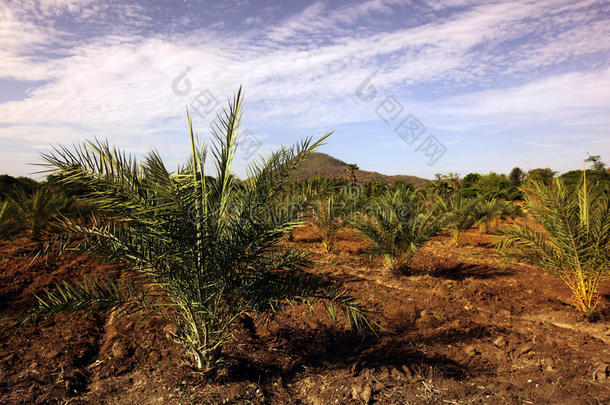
(488, 211)
(507, 209)
(397, 224)
(328, 216)
(290, 203)
(327, 219)
(574, 242)
(510, 210)
(197, 248)
(461, 213)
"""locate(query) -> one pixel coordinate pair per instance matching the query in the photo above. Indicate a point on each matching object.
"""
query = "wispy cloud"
(463, 60)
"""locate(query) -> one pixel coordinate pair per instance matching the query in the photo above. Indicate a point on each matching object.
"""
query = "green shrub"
(543, 175)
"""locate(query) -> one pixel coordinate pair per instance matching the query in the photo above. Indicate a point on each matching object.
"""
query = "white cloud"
(561, 98)
(305, 70)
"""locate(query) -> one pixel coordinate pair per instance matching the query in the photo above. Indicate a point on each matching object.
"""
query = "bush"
(574, 243)
(542, 175)
(196, 248)
(491, 185)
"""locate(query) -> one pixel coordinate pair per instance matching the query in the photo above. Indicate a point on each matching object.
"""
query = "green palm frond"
(94, 294)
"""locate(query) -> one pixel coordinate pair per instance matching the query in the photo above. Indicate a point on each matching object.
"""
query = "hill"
(330, 167)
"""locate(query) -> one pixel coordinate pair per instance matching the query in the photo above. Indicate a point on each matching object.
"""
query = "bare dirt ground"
(462, 330)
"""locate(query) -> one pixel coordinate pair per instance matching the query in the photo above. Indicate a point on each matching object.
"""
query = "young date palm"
(327, 219)
(461, 212)
(199, 249)
(505, 209)
(397, 224)
(35, 212)
(329, 215)
(486, 211)
(574, 244)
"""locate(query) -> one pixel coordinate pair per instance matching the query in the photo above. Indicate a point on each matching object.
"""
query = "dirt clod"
(602, 373)
(500, 342)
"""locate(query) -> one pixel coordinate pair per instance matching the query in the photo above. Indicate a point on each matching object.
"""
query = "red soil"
(463, 330)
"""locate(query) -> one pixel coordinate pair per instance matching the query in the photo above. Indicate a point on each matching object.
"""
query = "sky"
(408, 87)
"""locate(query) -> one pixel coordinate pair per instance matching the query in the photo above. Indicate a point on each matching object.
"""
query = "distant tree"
(470, 180)
(453, 179)
(544, 175)
(516, 176)
(489, 186)
(573, 178)
(494, 185)
(351, 168)
(444, 184)
(469, 187)
(596, 163)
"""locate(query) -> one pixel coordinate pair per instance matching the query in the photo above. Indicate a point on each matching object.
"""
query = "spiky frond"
(92, 293)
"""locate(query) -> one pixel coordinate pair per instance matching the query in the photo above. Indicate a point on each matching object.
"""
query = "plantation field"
(462, 329)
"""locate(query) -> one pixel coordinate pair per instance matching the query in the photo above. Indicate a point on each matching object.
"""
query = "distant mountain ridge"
(321, 164)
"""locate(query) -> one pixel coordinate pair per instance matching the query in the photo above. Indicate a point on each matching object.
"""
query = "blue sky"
(489, 84)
